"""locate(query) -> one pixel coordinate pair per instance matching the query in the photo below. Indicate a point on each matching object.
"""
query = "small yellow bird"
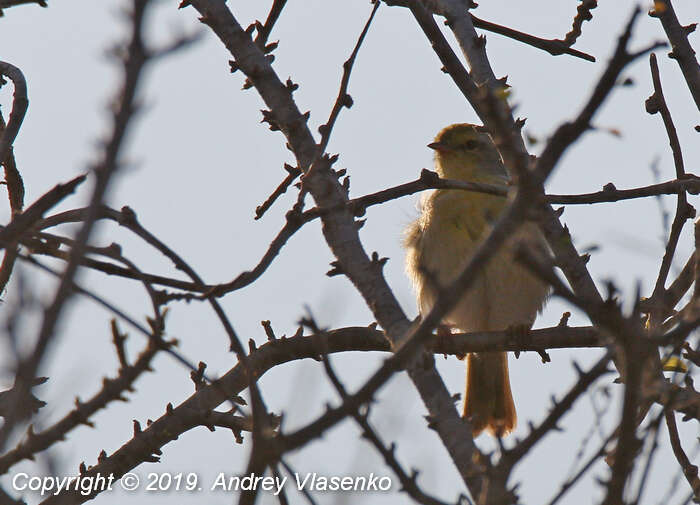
(505, 295)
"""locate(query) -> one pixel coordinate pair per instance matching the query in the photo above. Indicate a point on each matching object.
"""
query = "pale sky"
(199, 162)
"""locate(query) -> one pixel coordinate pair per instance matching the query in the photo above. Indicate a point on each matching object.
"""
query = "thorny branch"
(103, 170)
(487, 482)
(340, 231)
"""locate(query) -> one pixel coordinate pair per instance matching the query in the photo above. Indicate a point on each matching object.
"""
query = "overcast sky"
(199, 162)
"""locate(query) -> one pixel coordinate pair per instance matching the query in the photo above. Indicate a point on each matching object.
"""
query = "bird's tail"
(488, 401)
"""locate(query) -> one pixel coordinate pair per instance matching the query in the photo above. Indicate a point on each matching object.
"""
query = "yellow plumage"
(504, 295)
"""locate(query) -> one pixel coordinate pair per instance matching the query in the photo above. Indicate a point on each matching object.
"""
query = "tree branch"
(681, 51)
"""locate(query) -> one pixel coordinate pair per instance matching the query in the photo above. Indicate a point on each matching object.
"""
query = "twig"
(566, 486)
(409, 483)
(288, 468)
(13, 179)
(343, 99)
(657, 103)
(272, 17)
(512, 456)
(116, 311)
(35, 211)
(690, 471)
(292, 174)
(112, 390)
(690, 183)
(20, 103)
(15, 192)
(570, 131)
(653, 427)
(682, 51)
(583, 13)
(552, 46)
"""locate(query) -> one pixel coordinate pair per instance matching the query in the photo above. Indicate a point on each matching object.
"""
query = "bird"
(504, 295)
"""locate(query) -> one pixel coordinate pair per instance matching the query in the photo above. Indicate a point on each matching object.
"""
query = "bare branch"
(657, 103)
(681, 51)
(583, 13)
(690, 471)
(20, 103)
(112, 390)
(552, 46)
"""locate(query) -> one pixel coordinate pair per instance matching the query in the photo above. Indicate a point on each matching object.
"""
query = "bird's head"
(466, 152)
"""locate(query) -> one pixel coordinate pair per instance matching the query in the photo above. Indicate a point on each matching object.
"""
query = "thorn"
(169, 409)
(268, 330)
(251, 345)
(564, 321)
(577, 367)
(503, 81)
(377, 261)
(292, 170)
(291, 86)
(198, 375)
(137, 427)
(336, 269)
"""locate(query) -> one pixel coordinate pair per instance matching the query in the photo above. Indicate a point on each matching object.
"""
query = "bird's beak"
(439, 147)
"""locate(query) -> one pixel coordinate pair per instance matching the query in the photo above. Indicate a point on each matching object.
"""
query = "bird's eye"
(470, 144)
